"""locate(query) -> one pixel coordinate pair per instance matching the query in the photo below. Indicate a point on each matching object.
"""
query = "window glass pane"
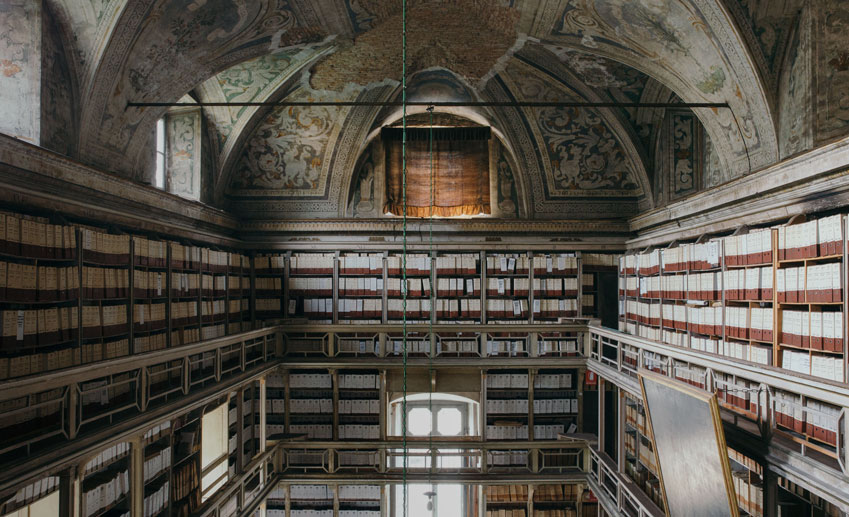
(213, 435)
(214, 446)
(449, 501)
(419, 423)
(159, 178)
(210, 479)
(46, 506)
(450, 459)
(416, 500)
(449, 421)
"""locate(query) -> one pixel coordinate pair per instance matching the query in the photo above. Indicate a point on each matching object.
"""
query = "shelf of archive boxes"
(306, 344)
(57, 399)
(383, 457)
(686, 301)
(281, 499)
(776, 345)
(820, 440)
(616, 493)
(573, 418)
(567, 418)
(528, 504)
(433, 278)
(77, 476)
(618, 357)
(818, 391)
(778, 307)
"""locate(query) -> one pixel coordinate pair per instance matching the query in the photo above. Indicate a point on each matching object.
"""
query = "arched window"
(178, 150)
(445, 415)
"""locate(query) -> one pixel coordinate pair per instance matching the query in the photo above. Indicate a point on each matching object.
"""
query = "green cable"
(432, 308)
(404, 255)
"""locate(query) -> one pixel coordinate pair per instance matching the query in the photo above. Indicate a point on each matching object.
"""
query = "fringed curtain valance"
(460, 171)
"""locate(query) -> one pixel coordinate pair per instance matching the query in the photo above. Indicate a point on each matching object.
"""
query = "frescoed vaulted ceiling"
(299, 161)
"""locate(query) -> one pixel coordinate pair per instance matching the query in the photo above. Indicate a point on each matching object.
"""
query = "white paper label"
(500, 286)
(517, 307)
(549, 264)
(292, 306)
(536, 306)
(470, 286)
(511, 264)
(20, 330)
(504, 264)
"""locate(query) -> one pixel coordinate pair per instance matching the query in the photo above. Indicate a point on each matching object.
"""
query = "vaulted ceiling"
(299, 161)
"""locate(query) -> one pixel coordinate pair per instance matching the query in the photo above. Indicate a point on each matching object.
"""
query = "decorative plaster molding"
(815, 180)
(34, 171)
(560, 228)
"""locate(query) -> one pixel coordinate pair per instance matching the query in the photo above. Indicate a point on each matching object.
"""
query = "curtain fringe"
(438, 211)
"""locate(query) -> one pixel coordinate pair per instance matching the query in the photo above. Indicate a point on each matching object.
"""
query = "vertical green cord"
(432, 306)
(404, 255)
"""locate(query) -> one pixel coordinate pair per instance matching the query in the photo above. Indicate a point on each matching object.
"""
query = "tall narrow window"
(160, 154)
(47, 506)
(213, 451)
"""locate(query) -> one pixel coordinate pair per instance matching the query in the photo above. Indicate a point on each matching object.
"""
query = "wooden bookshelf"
(741, 301)
(639, 450)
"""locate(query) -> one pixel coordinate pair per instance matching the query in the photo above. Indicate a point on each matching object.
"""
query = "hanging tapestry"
(460, 171)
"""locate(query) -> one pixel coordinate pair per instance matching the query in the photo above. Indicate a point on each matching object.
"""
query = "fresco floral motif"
(508, 198)
(176, 45)
(57, 103)
(361, 18)
(714, 173)
(795, 122)
(245, 82)
(438, 35)
(362, 201)
(584, 154)
(20, 48)
(685, 158)
(833, 69)
(286, 151)
(621, 82)
(183, 130)
(689, 50)
(771, 23)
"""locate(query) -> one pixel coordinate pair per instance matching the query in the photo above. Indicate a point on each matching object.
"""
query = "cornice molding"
(36, 176)
(394, 226)
(812, 181)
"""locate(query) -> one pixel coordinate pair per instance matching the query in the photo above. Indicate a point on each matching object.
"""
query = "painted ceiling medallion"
(438, 35)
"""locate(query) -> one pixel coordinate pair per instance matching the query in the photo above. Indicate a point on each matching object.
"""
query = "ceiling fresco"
(585, 157)
(613, 50)
(437, 36)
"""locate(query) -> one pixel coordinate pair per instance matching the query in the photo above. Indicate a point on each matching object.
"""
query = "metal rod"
(444, 104)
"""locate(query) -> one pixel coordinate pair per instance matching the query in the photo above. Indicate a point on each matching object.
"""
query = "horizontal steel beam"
(439, 104)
